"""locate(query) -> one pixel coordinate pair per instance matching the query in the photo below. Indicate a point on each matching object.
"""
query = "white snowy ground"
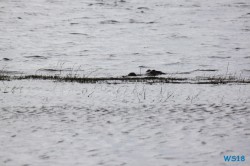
(113, 38)
(48, 123)
(62, 124)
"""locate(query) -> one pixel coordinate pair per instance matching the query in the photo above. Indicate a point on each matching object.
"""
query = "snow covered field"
(109, 37)
(135, 124)
(48, 123)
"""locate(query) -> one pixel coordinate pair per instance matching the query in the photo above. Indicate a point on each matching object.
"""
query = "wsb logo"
(234, 158)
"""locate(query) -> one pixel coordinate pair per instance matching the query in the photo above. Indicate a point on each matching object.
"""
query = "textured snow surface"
(113, 38)
(45, 123)
(51, 123)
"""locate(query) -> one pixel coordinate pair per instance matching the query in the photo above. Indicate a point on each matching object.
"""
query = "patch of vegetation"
(4, 78)
(221, 80)
(126, 79)
(102, 79)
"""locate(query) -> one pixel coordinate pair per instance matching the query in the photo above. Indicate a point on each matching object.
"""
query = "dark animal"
(154, 73)
(132, 74)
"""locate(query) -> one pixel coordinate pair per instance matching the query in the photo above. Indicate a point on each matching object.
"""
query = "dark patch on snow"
(143, 8)
(76, 33)
(220, 57)
(109, 22)
(7, 59)
(36, 57)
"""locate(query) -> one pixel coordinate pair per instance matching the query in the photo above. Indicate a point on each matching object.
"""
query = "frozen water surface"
(61, 124)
